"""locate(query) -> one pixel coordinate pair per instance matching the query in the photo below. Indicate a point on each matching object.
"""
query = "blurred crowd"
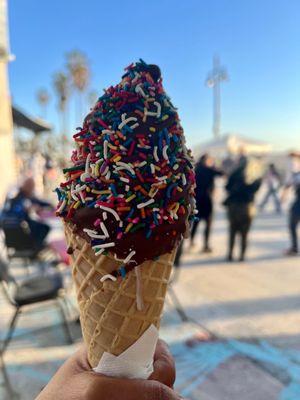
(243, 177)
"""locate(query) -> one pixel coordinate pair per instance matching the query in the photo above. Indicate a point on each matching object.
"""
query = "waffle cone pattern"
(109, 317)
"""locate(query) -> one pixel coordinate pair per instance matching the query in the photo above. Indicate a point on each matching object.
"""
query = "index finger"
(164, 365)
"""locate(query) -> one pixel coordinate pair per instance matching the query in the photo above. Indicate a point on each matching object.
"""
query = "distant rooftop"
(23, 120)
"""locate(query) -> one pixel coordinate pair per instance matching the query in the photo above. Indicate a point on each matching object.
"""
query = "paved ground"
(252, 308)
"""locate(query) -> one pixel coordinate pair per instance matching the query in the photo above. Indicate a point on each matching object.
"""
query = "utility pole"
(217, 75)
(7, 159)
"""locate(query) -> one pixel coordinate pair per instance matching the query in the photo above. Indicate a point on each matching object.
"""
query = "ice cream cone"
(109, 316)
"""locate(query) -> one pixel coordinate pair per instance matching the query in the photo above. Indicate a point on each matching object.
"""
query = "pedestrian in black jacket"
(240, 207)
(205, 179)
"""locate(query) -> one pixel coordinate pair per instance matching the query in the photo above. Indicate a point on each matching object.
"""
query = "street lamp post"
(217, 75)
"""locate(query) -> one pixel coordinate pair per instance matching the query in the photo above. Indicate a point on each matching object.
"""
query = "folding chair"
(32, 291)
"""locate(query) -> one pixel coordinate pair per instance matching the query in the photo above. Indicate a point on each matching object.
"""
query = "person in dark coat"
(240, 207)
(293, 181)
(205, 178)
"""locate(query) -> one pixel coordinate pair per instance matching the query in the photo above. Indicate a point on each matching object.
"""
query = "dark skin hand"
(76, 381)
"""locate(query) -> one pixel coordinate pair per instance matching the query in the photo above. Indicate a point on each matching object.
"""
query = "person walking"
(272, 179)
(205, 180)
(240, 207)
(293, 181)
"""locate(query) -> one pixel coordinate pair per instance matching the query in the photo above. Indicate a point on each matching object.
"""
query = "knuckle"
(159, 392)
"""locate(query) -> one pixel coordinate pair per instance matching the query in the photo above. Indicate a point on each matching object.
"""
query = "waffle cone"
(109, 316)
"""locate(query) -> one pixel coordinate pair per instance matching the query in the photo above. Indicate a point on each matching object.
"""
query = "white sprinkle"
(104, 245)
(121, 224)
(62, 206)
(158, 112)
(97, 253)
(165, 154)
(124, 179)
(107, 176)
(103, 227)
(104, 216)
(108, 276)
(183, 179)
(126, 166)
(89, 198)
(155, 154)
(155, 209)
(135, 125)
(154, 193)
(84, 176)
(81, 197)
(110, 210)
(93, 234)
(87, 162)
(128, 258)
(126, 120)
(152, 168)
(175, 167)
(142, 205)
(79, 188)
(142, 164)
(100, 160)
(162, 178)
(139, 89)
(107, 131)
(105, 149)
(127, 188)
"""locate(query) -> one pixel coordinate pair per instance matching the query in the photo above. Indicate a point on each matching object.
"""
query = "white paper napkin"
(134, 363)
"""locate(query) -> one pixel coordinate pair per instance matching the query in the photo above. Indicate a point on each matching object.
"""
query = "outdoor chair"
(18, 240)
(32, 291)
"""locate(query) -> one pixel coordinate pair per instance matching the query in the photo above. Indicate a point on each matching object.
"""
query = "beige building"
(232, 144)
(7, 158)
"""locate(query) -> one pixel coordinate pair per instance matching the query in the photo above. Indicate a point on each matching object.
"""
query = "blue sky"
(257, 40)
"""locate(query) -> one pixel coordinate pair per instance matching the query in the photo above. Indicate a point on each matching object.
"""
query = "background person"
(25, 207)
(240, 206)
(205, 182)
(273, 181)
(293, 181)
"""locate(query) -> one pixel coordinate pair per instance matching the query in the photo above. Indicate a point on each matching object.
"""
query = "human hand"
(76, 381)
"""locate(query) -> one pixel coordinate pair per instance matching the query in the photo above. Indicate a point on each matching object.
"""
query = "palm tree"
(43, 98)
(78, 67)
(61, 86)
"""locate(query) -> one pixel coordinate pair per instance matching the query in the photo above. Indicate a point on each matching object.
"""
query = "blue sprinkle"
(155, 218)
(113, 189)
(122, 271)
(170, 188)
(127, 142)
(148, 234)
(131, 212)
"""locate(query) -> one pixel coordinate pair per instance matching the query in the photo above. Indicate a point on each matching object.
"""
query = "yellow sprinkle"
(165, 117)
(130, 198)
(116, 158)
(112, 147)
(157, 168)
(97, 168)
(87, 189)
(77, 204)
(101, 191)
(152, 129)
(179, 189)
(128, 227)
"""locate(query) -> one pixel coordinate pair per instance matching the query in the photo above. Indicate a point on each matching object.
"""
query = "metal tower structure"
(217, 75)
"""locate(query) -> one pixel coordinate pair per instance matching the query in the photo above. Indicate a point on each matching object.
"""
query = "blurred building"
(232, 145)
(7, 159)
